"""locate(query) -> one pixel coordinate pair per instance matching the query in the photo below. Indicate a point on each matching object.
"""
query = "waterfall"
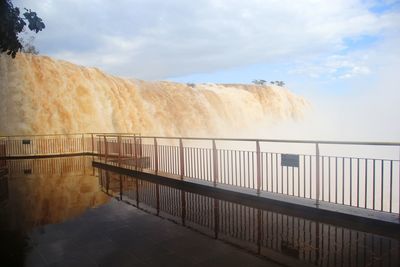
(41, 95)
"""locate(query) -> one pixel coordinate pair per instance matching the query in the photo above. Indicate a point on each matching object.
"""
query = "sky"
(342, 55)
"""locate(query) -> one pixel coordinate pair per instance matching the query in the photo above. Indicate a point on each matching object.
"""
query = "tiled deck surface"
(117, 234)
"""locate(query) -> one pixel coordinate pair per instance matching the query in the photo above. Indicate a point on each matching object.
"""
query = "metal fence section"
(55, 144)
(364, 175)
(358, 174)
(39, 145)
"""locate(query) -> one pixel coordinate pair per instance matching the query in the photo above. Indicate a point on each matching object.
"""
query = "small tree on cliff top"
(12, 24)
(259, 82)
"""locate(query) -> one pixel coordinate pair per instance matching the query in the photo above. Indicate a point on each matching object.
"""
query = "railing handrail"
(65, 134)
(296, 141)
(299, 141)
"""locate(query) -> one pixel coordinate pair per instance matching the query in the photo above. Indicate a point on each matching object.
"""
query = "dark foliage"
(12, 24)
(259, 82)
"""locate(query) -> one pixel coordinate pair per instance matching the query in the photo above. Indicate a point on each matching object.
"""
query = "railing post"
(119, 150)
(181, 158)
(215, 162)
(155, 155)
(258, 155)
(105, 149)
(317, 175)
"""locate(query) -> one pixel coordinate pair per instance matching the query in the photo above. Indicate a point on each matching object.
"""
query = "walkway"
(117, 234)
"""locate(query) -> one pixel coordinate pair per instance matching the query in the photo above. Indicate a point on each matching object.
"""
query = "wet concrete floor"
(117, 234)
(54, 213)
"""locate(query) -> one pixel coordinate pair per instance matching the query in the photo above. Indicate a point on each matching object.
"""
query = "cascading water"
(40, 95)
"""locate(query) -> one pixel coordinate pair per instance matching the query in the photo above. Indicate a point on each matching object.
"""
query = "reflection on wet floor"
(58, 212)
(283, 238)
(38, 192)
(48, 191)
(54, 213)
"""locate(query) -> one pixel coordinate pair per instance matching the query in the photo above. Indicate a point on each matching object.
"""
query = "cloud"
(160, 39)
(335, 66)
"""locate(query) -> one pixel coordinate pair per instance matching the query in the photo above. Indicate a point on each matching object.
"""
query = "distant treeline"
(258, 82)
(263, 82)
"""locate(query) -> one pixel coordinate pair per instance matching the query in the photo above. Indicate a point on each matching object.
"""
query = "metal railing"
(359, 174)
(48, 145)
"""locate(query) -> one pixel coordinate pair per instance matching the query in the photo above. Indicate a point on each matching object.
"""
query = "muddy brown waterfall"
(39, 94)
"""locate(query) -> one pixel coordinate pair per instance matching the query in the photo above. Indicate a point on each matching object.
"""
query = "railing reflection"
(287, 239)
(64, 165)
(3, 187)
(47, 191)
(2, 152)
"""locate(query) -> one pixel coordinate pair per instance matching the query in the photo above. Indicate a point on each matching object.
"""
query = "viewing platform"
(346, 185)
(353, 184)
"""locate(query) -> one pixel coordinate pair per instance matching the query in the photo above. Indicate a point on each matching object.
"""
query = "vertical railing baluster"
(343, 164)
(98, 142)
(382, 181)
(366, 183)
(310, 157)
(373, 184)
(155, 155)
(358, 182)
(258, 166)
(298, 180)
(119, 150)
(181, 159)
(399, 186)
(215, 162)
(240, 168)
(323, 178)
(272, 175)
(391, 187)
(329, 179)
(266, 172)
(304, 176)
(277, 171)
(83, 144)
(336, 180)
(105, 149)
(351, 181)
(287, 178)
(92, 144)
(136, 155)
(317, 173)
(141, 153)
